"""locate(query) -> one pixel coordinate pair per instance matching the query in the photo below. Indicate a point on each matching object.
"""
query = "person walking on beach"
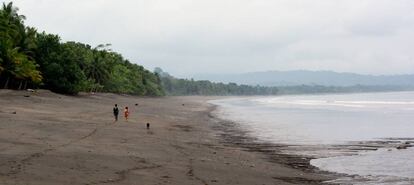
(126, 113)
(116, 112)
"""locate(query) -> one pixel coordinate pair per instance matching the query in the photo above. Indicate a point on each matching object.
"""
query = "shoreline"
(299, 156)
(48, 139)
(231, 134)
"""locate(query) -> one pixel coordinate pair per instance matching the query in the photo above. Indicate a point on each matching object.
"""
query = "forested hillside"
(176, 86)
(32, 59)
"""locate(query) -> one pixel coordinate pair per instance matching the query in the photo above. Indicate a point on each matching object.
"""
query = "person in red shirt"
(126, 113)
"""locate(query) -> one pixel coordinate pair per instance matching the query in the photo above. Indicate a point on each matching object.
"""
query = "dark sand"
(54, 139)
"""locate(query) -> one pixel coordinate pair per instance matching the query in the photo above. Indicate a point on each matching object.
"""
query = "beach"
(48, 138)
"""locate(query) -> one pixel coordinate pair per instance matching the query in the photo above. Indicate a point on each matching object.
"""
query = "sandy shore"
(55, 139)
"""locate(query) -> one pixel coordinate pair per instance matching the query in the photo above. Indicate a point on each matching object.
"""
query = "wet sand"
(48, 138)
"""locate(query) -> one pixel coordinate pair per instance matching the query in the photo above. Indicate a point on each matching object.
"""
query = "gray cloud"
(186, 36)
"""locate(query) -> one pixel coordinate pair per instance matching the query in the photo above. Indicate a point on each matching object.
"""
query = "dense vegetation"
(29, 59)
(32, 59)
(176, 86)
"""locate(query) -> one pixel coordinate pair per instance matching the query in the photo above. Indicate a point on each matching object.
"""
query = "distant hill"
(303, 77)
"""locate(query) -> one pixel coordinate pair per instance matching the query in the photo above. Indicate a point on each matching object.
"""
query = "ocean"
(352, 134)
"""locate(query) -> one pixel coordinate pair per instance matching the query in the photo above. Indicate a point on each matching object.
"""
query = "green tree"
(16, 44)
(27, 56)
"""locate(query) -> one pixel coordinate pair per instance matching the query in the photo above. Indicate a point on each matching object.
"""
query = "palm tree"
(16, 46)
(13, 23)
(97, 70)
(25, 69)
(1, 67)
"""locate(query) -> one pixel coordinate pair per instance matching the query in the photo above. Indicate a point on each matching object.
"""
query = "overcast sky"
(187, 37)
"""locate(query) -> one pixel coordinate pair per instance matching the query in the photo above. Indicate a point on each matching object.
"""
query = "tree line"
(32, 59)
(175, 86)
(181, 87)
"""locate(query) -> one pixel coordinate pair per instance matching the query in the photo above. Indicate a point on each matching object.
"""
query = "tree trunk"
(25, 84)
(20, 85)
(7, 82)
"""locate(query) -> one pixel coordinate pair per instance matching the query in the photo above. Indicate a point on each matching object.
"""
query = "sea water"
(316, 123)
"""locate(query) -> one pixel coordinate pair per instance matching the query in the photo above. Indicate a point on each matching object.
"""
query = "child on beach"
(126, 113)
